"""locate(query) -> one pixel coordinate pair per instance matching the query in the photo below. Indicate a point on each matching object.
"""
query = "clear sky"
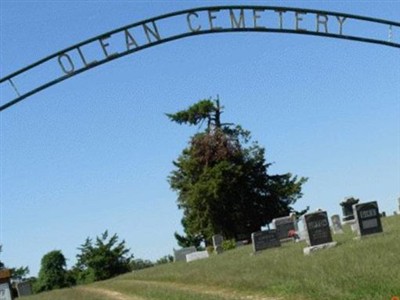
(94, 152)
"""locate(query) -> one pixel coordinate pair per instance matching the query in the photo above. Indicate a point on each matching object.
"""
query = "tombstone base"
(362, 237)
(196, 256)
(348, 221)
(312, 249)
(287, 240)
(218, 250)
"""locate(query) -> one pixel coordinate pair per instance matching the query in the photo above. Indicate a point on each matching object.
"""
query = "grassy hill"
(367, 269)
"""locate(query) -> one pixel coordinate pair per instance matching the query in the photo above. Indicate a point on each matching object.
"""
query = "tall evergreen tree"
(222, 181)
(53, 273)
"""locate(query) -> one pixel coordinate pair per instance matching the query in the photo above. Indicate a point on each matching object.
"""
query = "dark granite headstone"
(347, 208)
(243, 237)
(317, 225)
(283, 226)
(265, 239)
(24, 288)
(368, 218)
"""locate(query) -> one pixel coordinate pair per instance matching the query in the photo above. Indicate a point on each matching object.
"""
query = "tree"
(222, 182)
(103, 259)
(165, 260)
(188, 239)
(53, 273)
(19, 273)
(139, 264)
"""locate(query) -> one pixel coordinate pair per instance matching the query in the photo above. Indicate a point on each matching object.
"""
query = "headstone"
(283, 226)
(5, 287)
(24, 289)
(367, 217)
(336, 224)
(241, 243)
(318, 232)
(243, 237)
(347, 208)
(398, 200)
(295, 221)
(196, 256)
(353, 226)
(5, 291)
(383, 214)
(265, 239)
(302, 232)
(180, 254)
(395, 213)
(217, 243)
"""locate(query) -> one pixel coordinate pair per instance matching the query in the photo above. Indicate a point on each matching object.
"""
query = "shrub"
(228, 245)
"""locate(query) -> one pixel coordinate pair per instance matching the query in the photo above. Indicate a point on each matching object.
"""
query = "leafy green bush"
(102, 259)
(228, 245)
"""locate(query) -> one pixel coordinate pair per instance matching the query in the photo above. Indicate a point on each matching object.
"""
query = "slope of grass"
(367, 269)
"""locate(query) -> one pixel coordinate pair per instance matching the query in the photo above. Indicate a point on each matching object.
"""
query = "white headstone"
(196, 256)
(336, 224)
(180, 254)
(5, 291)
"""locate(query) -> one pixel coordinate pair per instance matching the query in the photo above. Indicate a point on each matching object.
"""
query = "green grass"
(367, 269)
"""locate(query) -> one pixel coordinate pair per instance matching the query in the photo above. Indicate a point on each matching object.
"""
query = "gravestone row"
(365, 219)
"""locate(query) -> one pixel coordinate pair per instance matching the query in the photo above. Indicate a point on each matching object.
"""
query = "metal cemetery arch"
(236, 18)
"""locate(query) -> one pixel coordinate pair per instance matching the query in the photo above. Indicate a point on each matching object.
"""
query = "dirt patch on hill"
(204, 290)
(112, 295)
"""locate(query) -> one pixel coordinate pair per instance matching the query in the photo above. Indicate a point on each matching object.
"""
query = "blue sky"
(94, 152)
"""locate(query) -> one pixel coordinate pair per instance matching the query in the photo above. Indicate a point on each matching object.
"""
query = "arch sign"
(197, 21)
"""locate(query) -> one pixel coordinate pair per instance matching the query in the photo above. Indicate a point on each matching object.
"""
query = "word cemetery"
(210, 20)
(197, 21)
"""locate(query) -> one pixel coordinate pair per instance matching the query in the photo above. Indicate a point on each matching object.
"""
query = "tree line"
(98, 259)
